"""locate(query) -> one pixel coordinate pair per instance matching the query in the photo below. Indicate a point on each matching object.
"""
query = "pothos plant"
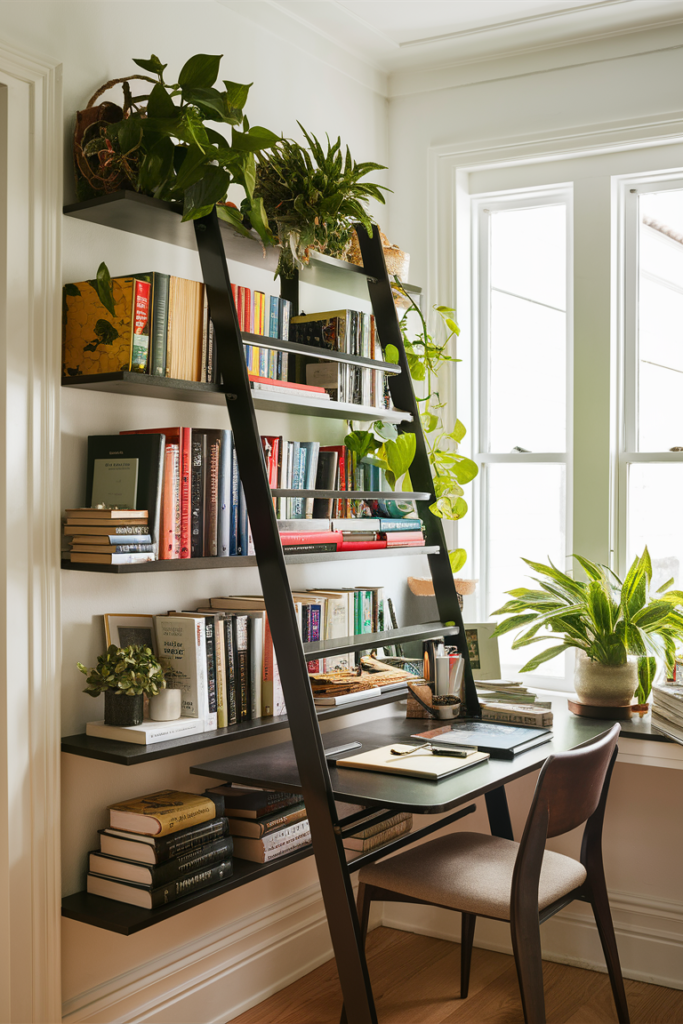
(160, 143)
(130, 670)
(450, 469)
(315, 196)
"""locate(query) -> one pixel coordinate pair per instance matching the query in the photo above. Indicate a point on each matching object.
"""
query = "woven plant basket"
(398, 262)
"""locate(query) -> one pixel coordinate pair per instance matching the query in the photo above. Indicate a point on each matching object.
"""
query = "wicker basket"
(398, 262)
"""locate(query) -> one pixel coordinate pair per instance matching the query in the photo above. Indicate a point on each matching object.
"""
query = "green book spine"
(162, 283)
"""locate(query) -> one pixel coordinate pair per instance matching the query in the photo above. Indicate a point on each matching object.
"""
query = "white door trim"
(30, 370)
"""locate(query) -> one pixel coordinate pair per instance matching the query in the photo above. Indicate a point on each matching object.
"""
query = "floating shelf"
(142, 385)
(389, 637)
(246, 561)
(354, 495)
(314, 352)
(126, 919)
(138, 753)
(152, 218)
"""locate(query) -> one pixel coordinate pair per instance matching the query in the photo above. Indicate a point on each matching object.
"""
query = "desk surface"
(275, 767)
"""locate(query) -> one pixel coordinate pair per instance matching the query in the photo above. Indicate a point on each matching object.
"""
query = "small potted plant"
(124, 675)
(617, 628)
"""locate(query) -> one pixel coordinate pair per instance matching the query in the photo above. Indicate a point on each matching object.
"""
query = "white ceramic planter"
(166, 706)
(604, 685)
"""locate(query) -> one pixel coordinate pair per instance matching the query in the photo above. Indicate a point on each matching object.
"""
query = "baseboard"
(219, 976)
(649, 935)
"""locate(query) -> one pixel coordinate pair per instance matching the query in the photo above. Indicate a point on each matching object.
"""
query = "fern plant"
(315, 196)
(606, 618)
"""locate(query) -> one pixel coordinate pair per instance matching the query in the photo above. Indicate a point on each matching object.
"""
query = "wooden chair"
(483, 875)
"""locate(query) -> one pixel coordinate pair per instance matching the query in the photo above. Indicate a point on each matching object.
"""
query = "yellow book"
(421, 765)
(97, 341)
(160, 813)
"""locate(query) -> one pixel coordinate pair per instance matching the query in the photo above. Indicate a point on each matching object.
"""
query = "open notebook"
(421, 765)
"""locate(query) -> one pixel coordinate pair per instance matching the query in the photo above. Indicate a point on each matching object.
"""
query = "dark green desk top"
(275, 767)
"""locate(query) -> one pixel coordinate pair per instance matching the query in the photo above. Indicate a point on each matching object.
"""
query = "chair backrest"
(571, 789)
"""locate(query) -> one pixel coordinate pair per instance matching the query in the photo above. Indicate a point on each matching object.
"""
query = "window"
(651, 469)
(522, 422)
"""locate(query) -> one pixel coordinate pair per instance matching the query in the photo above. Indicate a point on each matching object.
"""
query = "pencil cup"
(165, 707)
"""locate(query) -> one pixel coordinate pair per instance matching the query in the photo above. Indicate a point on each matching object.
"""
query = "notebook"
(500, 741)
(420, 765)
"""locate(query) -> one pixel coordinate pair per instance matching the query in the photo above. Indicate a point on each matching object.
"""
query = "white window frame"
(629, 189)
(482, 208)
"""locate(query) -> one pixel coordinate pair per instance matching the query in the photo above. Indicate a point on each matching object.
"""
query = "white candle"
(165, 707)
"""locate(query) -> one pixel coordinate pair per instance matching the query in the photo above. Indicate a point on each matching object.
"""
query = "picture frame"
(483, 650)
(124, 630)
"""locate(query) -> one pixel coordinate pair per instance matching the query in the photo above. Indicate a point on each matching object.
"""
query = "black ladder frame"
(326, 832)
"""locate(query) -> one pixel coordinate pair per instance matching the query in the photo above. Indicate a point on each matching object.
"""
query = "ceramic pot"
(604, 685)
(165, 707)
(120, 709)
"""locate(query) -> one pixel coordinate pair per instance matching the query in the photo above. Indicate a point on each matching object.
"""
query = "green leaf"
(200, 71)
(449, 508)
(444, 309)
(201, 197)
(429, 422)
(233, 217)
(458, 431)
(514, 622)
(361, 443)
(210, 102)
(457, 558)
(160, 103)
(451, 324)
(254, 140)
(572, 587)
(391, 354)
(665, 586)
(599, 607)
(546, 655)
(652, 614)
(647, 668)
(192, 167)
(592, 571)
(465, 470)
(103, 286)
(237, 94)
(129, 135)
(400, 454)
(153, 64)
(157, 166)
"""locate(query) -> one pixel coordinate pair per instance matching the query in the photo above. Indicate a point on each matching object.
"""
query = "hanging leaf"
(457, 558)
(200, 71)
(104, 288)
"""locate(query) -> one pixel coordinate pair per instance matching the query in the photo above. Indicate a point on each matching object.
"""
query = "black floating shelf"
(143, 385)
(152, 218)
(389, 637)
(137, 753)
(126, 919)
(314, 352)
(355, 495)
(246, 561)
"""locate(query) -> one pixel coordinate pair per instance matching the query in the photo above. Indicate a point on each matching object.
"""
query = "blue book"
(234, 506)
(391, 525)
(296, 480)
(224, 504)
(274, 317)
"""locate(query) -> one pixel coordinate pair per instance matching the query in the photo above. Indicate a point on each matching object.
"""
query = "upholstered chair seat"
(472, 872)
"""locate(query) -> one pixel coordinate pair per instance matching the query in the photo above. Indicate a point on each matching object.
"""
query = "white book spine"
(181, 642)
(257, 632)
(284, 836)
(279, 851)
(349, 698)
(145, 733)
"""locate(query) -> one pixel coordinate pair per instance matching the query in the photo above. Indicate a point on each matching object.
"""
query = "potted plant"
(124, 675)
(159, 143)
(314, 196)
(619, 630)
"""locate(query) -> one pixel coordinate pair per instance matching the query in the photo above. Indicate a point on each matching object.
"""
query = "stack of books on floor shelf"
(160, 325)
(222, 657)
(189, 480)
(108, 536)
(264, 824)
(160, 847)
(375, 835)
(667, 707)
(503, 701)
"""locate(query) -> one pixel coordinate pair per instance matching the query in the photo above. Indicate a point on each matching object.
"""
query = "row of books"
(512, 703)
(105, 536)
(221, 656)
(169, 844)
(667, 706)
(161, 325)
(188, 481)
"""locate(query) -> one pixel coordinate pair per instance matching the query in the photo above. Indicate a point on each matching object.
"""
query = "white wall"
(275, 924)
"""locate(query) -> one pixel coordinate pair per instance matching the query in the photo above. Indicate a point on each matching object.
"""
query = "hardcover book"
(148, 449)
(158, 849)
(181, 643)
(96, 341)
(160, 874)
(169, 810)
(149, 898)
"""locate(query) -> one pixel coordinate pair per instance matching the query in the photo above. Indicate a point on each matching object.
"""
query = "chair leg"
(466, 941)
(363, 907)
(603, 919)
(526, 944)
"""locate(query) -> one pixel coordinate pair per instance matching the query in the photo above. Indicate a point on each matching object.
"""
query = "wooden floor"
(416, 979)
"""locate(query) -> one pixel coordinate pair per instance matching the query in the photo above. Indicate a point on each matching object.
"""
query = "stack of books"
(667, 709)
(503, 701)
(108, 536)
(377, 835)
(162, 326)
(265, 825)
(349, 686)
(161, 847)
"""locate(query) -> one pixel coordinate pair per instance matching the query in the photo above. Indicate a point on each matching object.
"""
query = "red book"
(363, 545)
(319, 537)
(167, 533)
(182, 436)
(404, 538)
(287, 384)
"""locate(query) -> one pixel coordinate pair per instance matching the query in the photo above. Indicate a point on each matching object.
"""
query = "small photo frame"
(124, 630)
(483, 650)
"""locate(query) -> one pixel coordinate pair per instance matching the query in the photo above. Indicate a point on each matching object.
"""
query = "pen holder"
(447, 706)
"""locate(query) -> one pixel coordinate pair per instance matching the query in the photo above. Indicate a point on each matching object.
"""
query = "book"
(311, 525)
(347, 698)
(160, 295)
(104, 541)
(371, 838)
(145, 896)
(158, 849)
(97, 341)
(516, 714)
(184, 331)
(149, 451)
(160, 874)
(104, 559)
(208, 623)
(169, 810)
(500, 741)
(260, 827)
(254, 803)
(419, 765)
(147, 732)
(325, 480)
(110, 533)
(181, 647)
(277, 844)
(329, 539)
(102, 515)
